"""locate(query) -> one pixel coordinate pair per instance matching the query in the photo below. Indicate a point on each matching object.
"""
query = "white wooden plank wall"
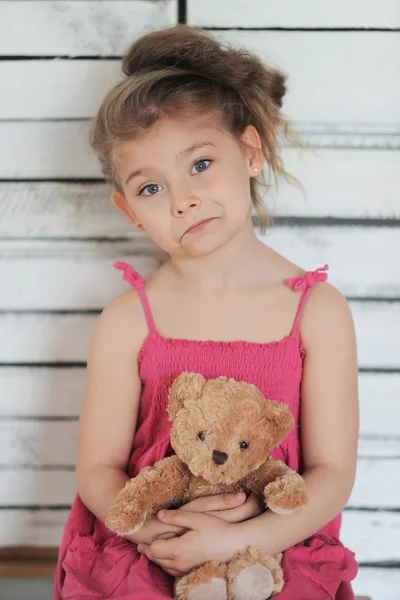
(59, 234)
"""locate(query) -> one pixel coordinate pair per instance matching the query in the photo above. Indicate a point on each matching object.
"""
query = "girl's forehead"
(179, 131)
(172, 138)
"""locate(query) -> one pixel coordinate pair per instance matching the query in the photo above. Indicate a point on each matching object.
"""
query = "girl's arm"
(110, 406)
(329, 424)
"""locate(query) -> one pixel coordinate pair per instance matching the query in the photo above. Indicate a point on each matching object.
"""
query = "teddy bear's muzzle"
(219, 458)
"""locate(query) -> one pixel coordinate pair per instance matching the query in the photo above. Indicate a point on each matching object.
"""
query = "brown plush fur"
(238, 428)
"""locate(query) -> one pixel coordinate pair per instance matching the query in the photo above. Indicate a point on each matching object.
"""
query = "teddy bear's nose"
(219, 457)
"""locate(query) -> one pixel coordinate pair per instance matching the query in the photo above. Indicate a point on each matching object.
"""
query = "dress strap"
(305, 284)
(137, 282)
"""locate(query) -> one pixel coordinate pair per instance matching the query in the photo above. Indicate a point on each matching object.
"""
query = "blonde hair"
(183, 71)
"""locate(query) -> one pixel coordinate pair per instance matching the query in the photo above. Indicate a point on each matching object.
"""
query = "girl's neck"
(237, 263)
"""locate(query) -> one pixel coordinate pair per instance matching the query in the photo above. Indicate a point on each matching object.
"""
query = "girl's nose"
(182, 205)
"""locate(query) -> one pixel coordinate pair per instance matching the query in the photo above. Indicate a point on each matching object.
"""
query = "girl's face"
(187, 184)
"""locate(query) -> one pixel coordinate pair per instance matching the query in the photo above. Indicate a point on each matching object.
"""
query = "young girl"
(184, 139)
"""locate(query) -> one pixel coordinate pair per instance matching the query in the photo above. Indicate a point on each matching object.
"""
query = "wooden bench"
(27, 562)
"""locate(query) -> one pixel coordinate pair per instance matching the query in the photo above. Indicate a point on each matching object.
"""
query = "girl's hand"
(252, 507)
(231, 508)
(208, 538)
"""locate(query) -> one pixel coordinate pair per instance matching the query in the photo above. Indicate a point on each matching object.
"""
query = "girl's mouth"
(199, 226)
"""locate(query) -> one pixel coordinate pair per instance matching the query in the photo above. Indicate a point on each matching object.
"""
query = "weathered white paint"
(377, 485)
(65, 337)
(374, 323)
(41, 391)
(45, 337)
(363, 62)
(310, 13)
(338, 183)
(380, 393)
(44, 528)
(38, 444)
(356, 65)
(60, 150)
(364, 275)
(32, 527)
(79, 28)
(379, 541)
(58, 89)
(87, 28)
(92, 282)
(341, 135)
(46, 150)
(36, 488)
(378, 584)
(52, 443)
(376, 445)
(57, 392)
(374, 537)
(87, 282)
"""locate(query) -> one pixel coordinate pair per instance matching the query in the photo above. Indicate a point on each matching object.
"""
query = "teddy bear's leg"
(254, 575)
(208, 582)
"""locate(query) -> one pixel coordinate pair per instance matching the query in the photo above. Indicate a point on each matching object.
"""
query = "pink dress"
(94, 563)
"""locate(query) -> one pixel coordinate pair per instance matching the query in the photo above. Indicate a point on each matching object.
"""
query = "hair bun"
(180, 46)
(195, 50)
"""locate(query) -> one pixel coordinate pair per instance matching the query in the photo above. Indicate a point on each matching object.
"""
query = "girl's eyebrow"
(178, 158)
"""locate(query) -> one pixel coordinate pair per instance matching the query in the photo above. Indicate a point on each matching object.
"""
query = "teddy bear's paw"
(286, 494)
(254, 575)
(126, 521)
(206, 582)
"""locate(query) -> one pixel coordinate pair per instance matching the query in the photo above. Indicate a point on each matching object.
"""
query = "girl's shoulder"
(123, 317)
(327, 314)
(323, 311)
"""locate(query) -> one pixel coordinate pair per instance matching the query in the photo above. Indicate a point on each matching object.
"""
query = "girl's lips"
(199, 226)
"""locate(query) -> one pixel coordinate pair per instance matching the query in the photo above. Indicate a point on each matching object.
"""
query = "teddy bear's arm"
(153, 488)
(283, 489)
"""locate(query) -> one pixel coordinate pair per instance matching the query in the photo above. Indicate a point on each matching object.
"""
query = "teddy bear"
(222, 432)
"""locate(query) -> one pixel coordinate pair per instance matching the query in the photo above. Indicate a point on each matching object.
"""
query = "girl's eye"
(201, 162)
(150, 186)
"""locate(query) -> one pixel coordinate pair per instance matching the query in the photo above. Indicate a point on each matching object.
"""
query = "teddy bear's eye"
(244, 445)
(201, 436)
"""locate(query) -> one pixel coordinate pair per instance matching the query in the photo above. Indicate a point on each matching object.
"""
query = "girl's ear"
(121, 203)
(253, 149)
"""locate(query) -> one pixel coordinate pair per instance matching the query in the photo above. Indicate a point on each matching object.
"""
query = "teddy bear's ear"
(187, 386)
(279, 419)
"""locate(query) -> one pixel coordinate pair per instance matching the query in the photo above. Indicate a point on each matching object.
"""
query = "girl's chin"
(199, 250)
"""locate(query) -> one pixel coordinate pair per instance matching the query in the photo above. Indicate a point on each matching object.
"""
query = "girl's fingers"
(158, 553)
(186, 519)
(152, 530)
(169, 535)
(215, 503)
(253, 507)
